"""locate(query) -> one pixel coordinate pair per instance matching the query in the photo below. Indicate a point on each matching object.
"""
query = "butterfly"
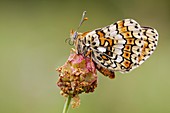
(121, 46)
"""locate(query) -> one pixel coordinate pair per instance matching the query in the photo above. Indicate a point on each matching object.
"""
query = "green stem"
(66, 105)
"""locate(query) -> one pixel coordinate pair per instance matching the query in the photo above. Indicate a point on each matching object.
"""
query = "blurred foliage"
(32, 35)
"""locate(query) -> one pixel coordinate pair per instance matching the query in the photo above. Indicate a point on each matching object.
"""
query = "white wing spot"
(101, 49)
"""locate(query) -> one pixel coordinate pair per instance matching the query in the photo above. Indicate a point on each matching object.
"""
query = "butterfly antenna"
(82, 19)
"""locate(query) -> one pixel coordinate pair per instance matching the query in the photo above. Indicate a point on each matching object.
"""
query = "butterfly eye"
(75, 35)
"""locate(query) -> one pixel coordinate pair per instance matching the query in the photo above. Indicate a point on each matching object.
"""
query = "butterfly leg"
(88, 53)
(73, 50)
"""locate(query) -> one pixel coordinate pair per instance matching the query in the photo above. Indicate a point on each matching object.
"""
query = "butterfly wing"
(150, 37)
(122, 46)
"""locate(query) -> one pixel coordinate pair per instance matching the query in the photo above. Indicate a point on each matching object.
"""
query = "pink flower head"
(77, 75)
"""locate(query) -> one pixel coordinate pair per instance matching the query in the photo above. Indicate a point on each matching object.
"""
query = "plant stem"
(66, 105)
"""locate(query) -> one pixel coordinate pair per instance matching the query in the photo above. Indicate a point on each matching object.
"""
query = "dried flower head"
(76, 76)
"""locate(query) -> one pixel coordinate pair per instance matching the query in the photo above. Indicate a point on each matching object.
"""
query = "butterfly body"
(121, 46)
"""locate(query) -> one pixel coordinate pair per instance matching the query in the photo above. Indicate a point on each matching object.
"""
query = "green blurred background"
(32, 35)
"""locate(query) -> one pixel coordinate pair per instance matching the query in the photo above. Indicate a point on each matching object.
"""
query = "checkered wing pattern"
(121, 46)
